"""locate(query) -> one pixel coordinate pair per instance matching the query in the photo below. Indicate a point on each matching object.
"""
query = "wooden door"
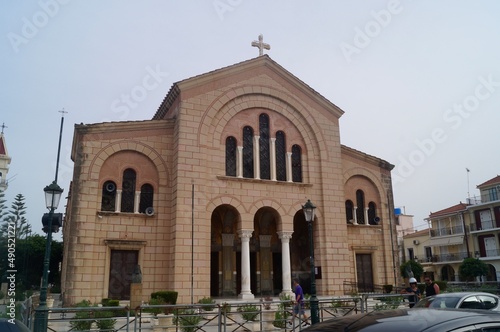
(122, 267)
(364, 271)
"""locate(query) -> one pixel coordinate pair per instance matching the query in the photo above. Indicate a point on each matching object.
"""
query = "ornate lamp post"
(309, 210)
(52, 196)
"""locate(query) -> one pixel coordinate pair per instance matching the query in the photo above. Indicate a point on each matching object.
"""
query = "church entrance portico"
(247, 262)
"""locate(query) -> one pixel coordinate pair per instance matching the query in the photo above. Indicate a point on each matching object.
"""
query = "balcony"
(455, 257)
(488, 253)
(485, 226)
(454, 230)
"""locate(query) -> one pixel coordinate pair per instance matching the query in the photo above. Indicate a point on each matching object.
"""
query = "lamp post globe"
(309, 212)
(52, 197)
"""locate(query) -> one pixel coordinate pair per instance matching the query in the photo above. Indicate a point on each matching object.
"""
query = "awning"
(447, 241)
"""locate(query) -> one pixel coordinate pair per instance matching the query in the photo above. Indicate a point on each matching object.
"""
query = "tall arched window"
(372, 213)
(146, 197)
(248, 152)
(349, 207)
(296, 163)
(280, 156)
(265, 160)
(108, 202)
(231, 156)
(360, 204)
(128, 190)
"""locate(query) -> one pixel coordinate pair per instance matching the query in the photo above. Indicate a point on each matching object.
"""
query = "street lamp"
(52, 197)
(309, 210)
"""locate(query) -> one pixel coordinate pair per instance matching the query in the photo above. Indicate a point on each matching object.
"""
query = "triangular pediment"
(262, 65)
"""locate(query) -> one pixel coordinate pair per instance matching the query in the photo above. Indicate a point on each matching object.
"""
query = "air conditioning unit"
(149, 211)
(416, 242)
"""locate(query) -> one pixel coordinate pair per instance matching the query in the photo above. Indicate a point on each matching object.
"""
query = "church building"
(207, 196)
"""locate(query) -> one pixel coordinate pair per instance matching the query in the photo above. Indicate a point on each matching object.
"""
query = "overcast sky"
(419, 81)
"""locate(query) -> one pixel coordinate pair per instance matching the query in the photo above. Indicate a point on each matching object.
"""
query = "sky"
(419, 81)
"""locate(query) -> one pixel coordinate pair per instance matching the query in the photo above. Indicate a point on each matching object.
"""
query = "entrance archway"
(300, 252)
(224, 245)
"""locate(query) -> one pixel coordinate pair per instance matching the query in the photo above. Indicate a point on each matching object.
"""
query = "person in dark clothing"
(413, 291)
(431, 288)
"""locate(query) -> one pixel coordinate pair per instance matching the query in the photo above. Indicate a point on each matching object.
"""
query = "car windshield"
(439, 302)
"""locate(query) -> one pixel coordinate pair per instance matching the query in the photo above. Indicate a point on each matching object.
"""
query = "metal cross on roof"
(3, 127)
(261, 45)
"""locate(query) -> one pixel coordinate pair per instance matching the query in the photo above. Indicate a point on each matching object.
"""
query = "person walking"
(431, 288)
(413, 292)
(298, 303)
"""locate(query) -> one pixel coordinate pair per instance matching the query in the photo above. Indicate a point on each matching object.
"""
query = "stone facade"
(226, 222)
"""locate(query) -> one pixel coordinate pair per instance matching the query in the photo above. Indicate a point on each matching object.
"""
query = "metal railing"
(228, 316)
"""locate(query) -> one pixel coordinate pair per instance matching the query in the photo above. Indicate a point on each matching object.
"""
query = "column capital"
(285, 235)
(245, 233)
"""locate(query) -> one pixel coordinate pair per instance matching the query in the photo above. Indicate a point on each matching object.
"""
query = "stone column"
(239, 162)
(227, 265)
(118, 200)
(273, 158)
(367, 222)
(137, 199)
(245, 236)
(355, 213)
(285, 262)
(289, 176)
(256, 158)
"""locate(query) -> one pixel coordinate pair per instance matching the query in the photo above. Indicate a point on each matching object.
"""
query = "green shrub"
(168, 297)
(225, 308)
(154, 311)
(209, 303)
(249, 312)
(105, 322)
(387, 303)
(443, 285)
(82, 321)
(188, 319)
(282, 314)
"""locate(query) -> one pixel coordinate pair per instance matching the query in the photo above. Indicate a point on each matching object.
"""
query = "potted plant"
(250, 314)
(187, 319)
(208, 306)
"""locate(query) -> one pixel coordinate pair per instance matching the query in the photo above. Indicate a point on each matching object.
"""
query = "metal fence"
(231, 316)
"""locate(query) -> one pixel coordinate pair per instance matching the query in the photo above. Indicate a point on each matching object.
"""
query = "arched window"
(108, 202)
(372, 213)
(349, 207)
(280, 156)
(146, 197)
(265, 160)
(360, 204)
(296, 163)
(231, 156)
(128, 190)
(248, 152)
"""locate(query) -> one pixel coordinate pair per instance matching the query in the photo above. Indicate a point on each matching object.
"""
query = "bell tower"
(4, 161)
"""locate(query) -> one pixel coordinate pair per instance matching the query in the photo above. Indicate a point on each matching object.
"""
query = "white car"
(461, 300)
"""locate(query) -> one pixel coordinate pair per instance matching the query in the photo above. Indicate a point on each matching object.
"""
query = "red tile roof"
(451, 210)
(495, 180)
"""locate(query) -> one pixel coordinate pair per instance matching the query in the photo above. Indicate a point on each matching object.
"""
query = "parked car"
(461, 300)
(413, 320)
(9, 325)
